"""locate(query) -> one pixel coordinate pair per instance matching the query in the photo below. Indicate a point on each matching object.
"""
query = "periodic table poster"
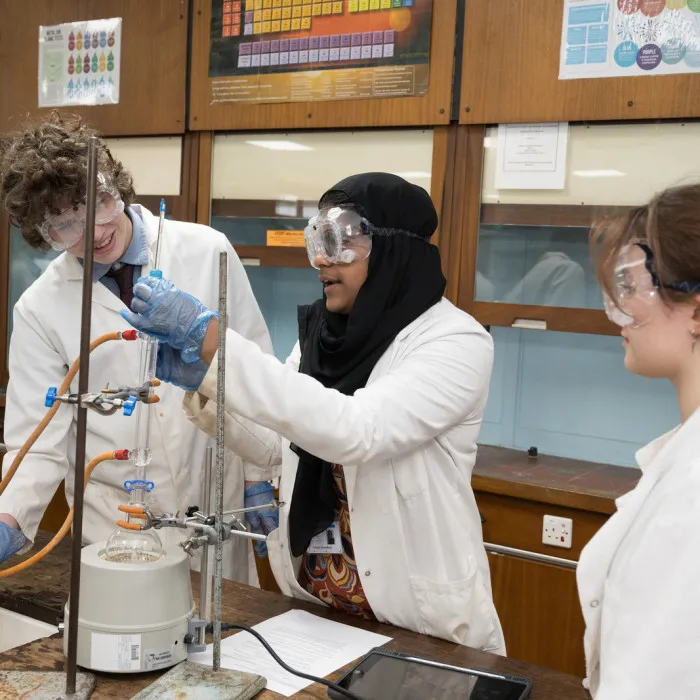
(79, 63)
(306, 50)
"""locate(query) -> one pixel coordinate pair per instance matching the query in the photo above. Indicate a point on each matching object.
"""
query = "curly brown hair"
(43, 171)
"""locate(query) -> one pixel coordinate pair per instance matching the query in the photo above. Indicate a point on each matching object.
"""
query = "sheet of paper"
(532, 156)
(304, 641)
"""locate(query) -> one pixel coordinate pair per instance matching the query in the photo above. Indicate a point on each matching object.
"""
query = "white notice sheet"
(307, 643)
(532, 156)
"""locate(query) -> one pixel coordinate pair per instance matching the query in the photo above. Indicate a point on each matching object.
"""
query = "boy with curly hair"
(43, 181)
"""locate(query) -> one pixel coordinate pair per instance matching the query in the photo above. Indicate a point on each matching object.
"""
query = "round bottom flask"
(132, 546)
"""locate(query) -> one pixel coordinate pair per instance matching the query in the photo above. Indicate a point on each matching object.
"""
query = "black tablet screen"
(381, 677)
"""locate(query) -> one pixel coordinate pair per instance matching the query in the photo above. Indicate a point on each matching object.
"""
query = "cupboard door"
(539, 610)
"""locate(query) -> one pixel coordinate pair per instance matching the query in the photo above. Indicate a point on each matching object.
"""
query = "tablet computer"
(388, 675)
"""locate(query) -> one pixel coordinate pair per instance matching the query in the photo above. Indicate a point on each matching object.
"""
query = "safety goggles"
(339, 235)
(66, 229)
(636, 287)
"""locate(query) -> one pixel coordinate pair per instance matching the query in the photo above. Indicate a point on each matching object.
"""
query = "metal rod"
(531, 556)
(272, 504)
(81, 431)
(204, 580)
(220, 398)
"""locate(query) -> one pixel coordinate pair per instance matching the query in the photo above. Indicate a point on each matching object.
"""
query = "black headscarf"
(404, 280)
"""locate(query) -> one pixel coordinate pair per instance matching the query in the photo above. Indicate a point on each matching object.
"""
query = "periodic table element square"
(364, 5)
(345, 53)
(397, 3)
(277, 14)
(257, 27)
(248, 29)
(338, 8)
(249, 4)
(276, 26)
(286, 25)
(354, 5)
(267, 4)
(373, 4)
(267, 15)
(237, 6)
(296, 25)
(388, 50)
(267, 27)
(306, 23)
(377, 51)
(306, 11)
(236, 30)
(303, 57)
(226, 31)
(386, 4)
(327, 8)
(286, 3)
(316, 9)
(296, 12)
(228, 7)
(228, 19)
(297, 2)
(258, 4)
(257, 17)
(287, 13)
(265, 59)
(276, 3)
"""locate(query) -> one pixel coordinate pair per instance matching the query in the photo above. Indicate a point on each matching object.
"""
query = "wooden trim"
(564, 215)
(510, 73)
(557, 318)
(4, 294)
(446, 231)
(274, 256)
(439, 173)
(254, 208)
(204, 177)
(468, 198)
(432, 108)
(185, 208)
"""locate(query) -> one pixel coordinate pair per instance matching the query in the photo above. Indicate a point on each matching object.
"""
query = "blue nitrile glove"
(163, 311)
(11, 541)
(261, 521)
(171, 368)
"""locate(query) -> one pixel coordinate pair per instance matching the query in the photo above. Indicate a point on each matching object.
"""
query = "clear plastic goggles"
(636, 288)
(339, 236)
(66, 229)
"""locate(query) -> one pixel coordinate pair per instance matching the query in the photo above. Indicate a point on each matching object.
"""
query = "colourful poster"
(79, 63)
(305, 50)
(622, 38)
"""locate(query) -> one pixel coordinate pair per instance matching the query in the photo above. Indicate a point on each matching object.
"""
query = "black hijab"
(404, 280)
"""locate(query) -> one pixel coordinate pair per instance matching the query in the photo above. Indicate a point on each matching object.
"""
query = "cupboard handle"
(530, 556)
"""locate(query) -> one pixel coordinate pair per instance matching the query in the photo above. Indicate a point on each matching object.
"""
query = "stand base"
(190, 681)
(44, 685)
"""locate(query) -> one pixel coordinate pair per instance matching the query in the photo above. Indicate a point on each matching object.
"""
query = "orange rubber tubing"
(104, 457)
(116, 335)
(129, 526)
(135, 511)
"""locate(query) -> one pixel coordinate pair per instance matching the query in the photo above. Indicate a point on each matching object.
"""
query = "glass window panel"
(540, 265)
(272, 182)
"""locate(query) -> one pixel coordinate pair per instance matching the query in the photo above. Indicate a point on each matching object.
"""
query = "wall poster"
(304, 50)
(79, 63)
(622, 38)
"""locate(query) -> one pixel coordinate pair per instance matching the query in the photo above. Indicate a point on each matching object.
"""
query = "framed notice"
(277, 51)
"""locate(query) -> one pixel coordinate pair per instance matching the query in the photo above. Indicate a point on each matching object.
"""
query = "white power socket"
(557, 531)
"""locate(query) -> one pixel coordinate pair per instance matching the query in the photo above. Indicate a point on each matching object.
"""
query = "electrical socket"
(557, 531)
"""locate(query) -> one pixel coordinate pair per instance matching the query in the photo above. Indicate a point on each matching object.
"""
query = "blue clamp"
(156, 273)
(51, 397)
(129, 405)
(140, 485)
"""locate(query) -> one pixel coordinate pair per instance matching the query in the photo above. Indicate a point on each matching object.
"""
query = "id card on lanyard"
(327, 542)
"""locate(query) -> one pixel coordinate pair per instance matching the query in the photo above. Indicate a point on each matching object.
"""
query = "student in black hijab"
(371, 424)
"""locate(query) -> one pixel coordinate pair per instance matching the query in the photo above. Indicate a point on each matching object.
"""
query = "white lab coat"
(638, 579)
(407, 442)
(46, 340)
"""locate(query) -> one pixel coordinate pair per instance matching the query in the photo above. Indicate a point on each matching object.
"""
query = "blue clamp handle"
(146, 486)
(51, 397)
(156, 273)
(129, 405)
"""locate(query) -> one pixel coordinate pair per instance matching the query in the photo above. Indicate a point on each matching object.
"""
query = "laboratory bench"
(536, 599)
(42, 590)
